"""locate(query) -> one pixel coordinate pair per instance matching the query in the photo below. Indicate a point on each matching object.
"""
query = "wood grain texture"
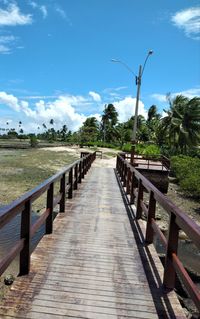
(95, 265)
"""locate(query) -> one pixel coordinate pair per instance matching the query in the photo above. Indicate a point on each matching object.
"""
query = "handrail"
(75, 173)
(132, 179)
(164, 161)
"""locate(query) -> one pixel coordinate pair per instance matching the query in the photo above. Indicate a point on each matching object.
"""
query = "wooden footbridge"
(96, 260)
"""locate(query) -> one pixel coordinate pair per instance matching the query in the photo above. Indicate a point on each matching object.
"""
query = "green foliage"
(33, 140)
(127, 147)
(99, 144)
(143, 149)
(187, 171)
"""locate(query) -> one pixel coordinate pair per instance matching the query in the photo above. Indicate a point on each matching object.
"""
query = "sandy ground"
(107, 160)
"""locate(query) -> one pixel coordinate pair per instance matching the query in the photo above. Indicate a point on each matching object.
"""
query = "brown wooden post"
(125, 175)
(79, 172)
(24, 259)
(133, 186)
(70, 192)
(140, 197)
(172, 247)
(128, 180)
(76, 176)
(122, 175)
(151, 214)
(49, 220)
(83, 168)
(63, 192)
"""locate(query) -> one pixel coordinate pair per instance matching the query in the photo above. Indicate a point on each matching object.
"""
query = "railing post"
(63, 192)
(70, 192)
(172, 247)
(79, 172)
(133, 186)
(151, 214)
(76, 176)
(125, 175)
(83, 168)
(140, 197)
(49, 220)
(24, 259)
(128, 172)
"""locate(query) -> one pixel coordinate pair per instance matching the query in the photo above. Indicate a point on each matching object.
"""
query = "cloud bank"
(189, 21)
(68, 109)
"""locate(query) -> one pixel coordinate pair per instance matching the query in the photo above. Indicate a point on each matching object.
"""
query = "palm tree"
(182, 122)
(109, 120)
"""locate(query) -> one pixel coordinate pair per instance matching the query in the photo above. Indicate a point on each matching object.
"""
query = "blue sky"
(55, 57)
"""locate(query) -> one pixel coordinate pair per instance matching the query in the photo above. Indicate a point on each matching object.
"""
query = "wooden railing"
(150, 161)
(135, 184)
(68, 179)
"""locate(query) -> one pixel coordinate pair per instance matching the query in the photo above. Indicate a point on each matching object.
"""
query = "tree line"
(177, 132)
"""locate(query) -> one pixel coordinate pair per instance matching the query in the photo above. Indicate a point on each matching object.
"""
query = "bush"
(142, 149)
(187, 171)
(33, 140)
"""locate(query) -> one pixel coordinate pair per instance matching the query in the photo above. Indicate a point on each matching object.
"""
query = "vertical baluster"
(172, 247)
(133, 186)
(49, 220)
(83, 168)
(128, 180)
(70, 192)
(76, 176)
(63, 192)
(140, 197)
(151, 214)
(79, 172)
(125, 175)
(24, 259)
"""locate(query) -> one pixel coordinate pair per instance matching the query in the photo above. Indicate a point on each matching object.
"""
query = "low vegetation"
(177, 133)
(23, 169)
(187, 171)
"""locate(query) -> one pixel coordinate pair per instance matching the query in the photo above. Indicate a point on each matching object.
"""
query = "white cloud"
(189, 21)
(62, 110)
(4, 49)
(61, 12)
(10, 100)
(5, 43)
(190, 93)
(126, 108)
(159, 97)
(96, 97)
(12, 16)
(42, 8)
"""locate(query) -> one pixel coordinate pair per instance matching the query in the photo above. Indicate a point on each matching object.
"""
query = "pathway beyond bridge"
(94, 265)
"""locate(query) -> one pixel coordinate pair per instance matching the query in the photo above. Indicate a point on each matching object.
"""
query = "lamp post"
(138, 79)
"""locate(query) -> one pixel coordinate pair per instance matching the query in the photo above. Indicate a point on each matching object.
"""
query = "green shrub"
(187, 171)
(33, 140)
(127, 147)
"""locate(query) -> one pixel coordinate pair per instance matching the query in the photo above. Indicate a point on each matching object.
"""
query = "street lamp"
(138, 80)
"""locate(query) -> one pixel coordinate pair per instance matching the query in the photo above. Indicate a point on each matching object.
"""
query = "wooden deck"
(95, 264)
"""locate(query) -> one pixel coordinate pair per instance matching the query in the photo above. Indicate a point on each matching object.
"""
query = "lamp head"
(150, 52)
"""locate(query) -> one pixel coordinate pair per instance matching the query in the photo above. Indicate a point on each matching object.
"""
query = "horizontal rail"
(23, 205)
(137, 183)
(6, 261)
(164, 161)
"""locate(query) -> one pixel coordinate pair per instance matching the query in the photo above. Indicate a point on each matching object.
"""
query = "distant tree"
(182, 123)
(90, 130)
(108, 123)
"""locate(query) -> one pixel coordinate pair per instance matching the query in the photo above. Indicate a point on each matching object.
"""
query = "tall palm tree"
(109, 120)
(182, 122)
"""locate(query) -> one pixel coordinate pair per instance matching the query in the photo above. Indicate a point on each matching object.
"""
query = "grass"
(23, 169)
